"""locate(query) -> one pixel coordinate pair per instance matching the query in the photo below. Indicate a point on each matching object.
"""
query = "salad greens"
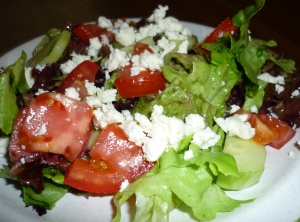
(195, 84)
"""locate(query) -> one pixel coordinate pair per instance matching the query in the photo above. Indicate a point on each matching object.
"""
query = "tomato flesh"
(139, 48)
(269, 130)
(284, 131)
(57, 124)
(113, 159)
(227, 26)
(86, 70)
(87, 31)
(145, 83)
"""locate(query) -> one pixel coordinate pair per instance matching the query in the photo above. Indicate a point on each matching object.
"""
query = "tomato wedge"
(139, 48)
(113, 159)
(145, 83)
(87, 31)
(86, 70)
(57, 124)
(269, 130)
(227, 26)
(284, 131)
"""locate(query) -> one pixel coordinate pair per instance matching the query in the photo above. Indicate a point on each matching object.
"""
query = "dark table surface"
(21, 21)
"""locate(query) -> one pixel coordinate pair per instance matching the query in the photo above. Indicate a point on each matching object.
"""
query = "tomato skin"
(284, 131)
(57, 124)
(227, 26)
(113, 159)
(87, 31)
(83, 176)
(269, 130)
(139, 48)
(145, 83)
(86, 70)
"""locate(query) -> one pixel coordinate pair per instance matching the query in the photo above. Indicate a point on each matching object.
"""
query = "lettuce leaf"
(174, 180)
(12, 80)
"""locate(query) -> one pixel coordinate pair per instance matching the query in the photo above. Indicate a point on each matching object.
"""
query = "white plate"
(277, 194)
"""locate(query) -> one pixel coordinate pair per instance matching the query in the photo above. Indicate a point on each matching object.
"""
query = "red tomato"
(269, 130)
(87, 31)
(57, 124)
(113, 159)
(284, 131)
(145, 83)
(227, 26)
(84, 71)
(141, 47)
(263, 134)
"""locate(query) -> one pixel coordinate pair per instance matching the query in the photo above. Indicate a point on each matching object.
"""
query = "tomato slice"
(87, 31)
(145, 83)
(139, 48)
(113, 159)
(284, 131)
(86, 70)
(227, 26)
(57, 124)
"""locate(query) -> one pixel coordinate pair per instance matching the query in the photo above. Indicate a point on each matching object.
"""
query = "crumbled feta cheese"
(160, 132)
(22, 160)
(292, 154)
(253, 109)
(271, 79)
(117, 59)
(40, 91)
(149, 30)
(126, 35)
(158, 14)
(166, 45)
(3, 145)
(124, 184)
(234, 108)
(295, 93)
(104, 22)
(94, 47)
(68, 66)
(236, 125)
(188, 155)
(171, 24)
(105, 115)
(183, 47)
(279, 88)
(146, 60)
(205, 138)
(72, 93)
(42, 130)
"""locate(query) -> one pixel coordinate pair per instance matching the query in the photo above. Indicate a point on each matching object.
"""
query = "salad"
(142, 108)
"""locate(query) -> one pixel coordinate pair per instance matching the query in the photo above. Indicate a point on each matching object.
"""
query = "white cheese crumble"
(236, 125)
(188, 155)
(295, 93)
(234, 108)
(158, 14)
(104, 22)
(279, 88)
(71, 64)
(124, 184)
(3, 145)
(117, 59)
(253, 109)
(94, 47)
(126, 35)
(160, 132)
(271, 79)
(72, 93)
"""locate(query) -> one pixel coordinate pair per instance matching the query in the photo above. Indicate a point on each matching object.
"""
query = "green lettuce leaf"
(48, 197)
(174, 180)
(12, 80)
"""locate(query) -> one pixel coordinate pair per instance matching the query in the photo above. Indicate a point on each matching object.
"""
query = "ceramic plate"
(277, 194)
